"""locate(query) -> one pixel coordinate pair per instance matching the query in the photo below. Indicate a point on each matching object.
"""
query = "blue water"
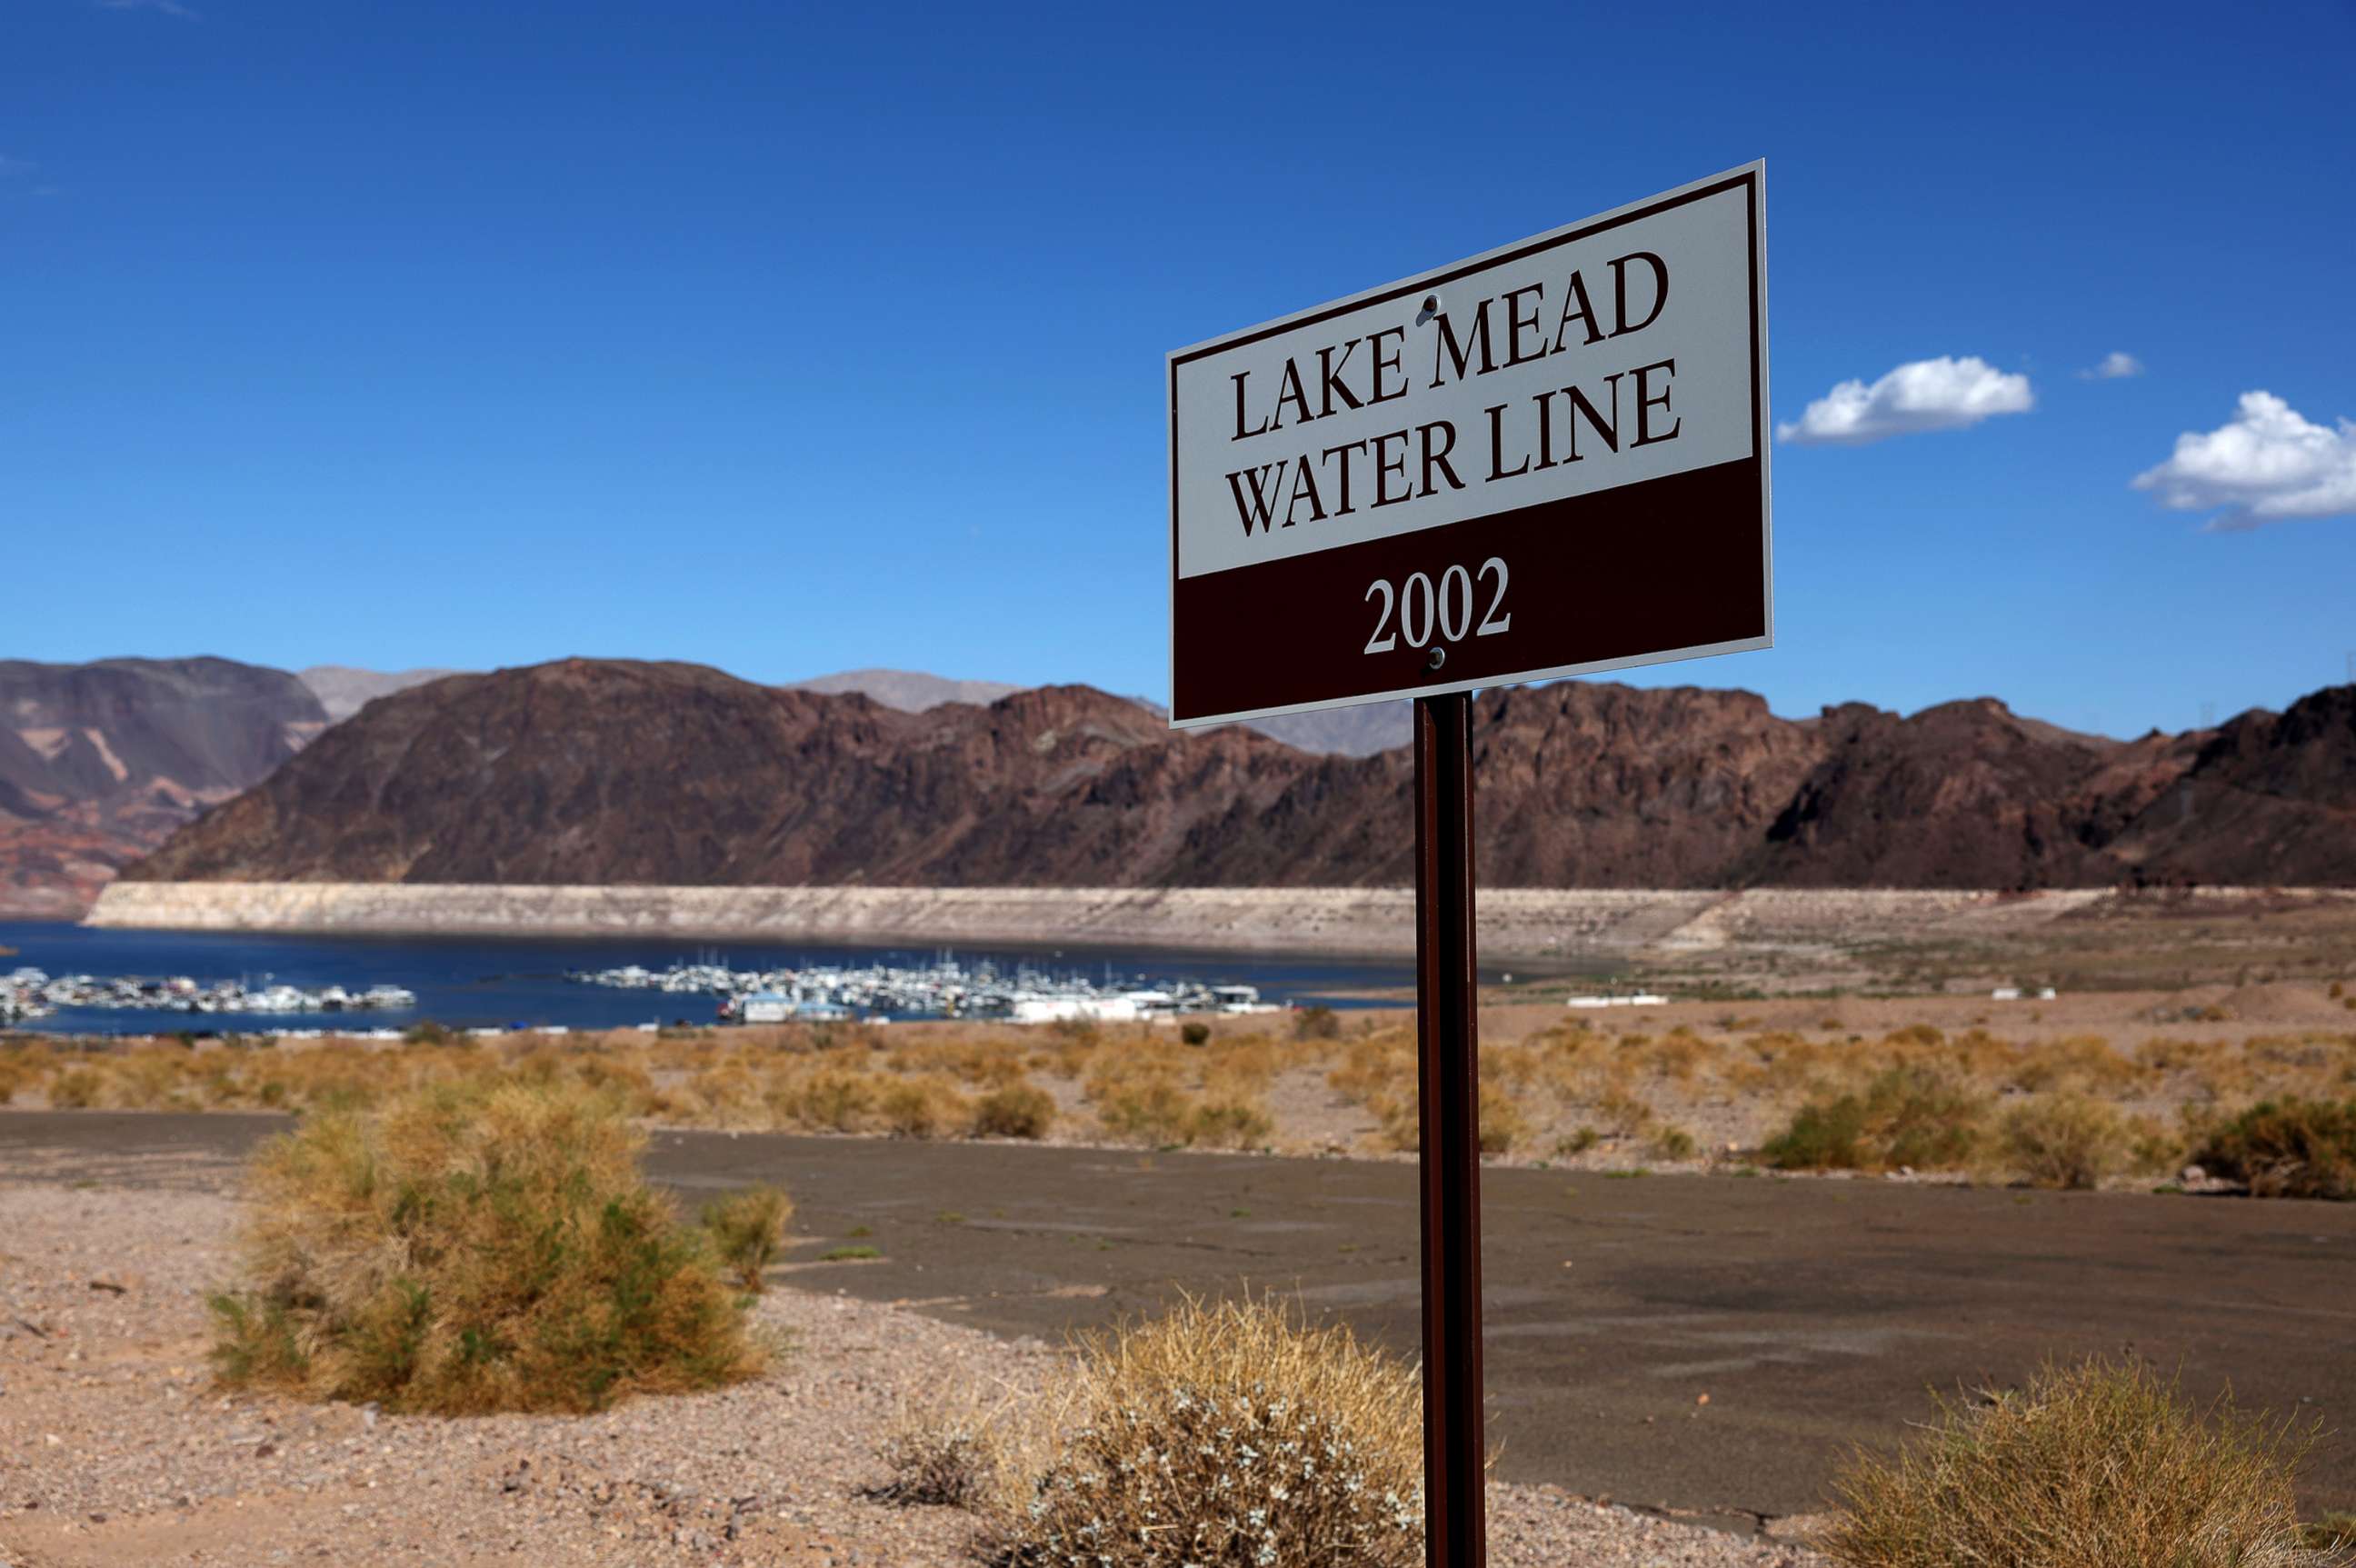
(471, 982)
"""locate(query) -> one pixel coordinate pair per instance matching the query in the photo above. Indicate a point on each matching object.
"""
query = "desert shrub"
(150, 1077)
(1230, 1433)
(1779, 1063)
(1578, 1142)
(1375, 1067)
(1907, 1116)
(1821, 1136)
(473, 1248)
(1317, 1022)
(1016, 1111)
(1399, 1122)
(2152, 1149)
(1624, 1112)
(747, 1230)
(832, 1100)
(1398, 1119)
(986, 1063)
(952, 1450)
(945, 1463)
(599, 1070)
(2066, 1141)
(1673, 1143)
(77, 1089)
(1678, 1055)
(924, 1108)
(730, 1093)
(1194, 1034)
(1152, 1109)
(2281, 1148)
(2083, 1062)
(1228, 1123)
(1503, 1123)
(2099, 1465)
(22, 1067)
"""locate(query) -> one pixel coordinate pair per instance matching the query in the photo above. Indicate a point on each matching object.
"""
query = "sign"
(1547, 460)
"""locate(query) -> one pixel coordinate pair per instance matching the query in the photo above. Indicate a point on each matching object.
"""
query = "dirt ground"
(117, 1451)
(1815, 1315)
(1826, 941)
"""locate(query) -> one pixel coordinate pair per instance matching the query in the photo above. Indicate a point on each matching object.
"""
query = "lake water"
(466, 981)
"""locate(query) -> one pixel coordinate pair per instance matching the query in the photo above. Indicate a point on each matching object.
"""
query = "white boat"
(1075, 1009)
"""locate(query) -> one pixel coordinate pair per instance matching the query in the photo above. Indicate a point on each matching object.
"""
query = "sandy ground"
(117, 1449)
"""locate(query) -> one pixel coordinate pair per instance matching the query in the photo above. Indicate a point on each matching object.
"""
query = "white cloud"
(2268, 464)
(1944, 393)
(2115, 366)
(169, 8)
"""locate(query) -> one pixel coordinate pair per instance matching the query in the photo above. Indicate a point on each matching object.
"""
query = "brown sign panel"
(1549, 460)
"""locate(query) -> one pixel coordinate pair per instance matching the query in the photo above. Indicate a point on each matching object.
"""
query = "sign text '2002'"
(1424, 609)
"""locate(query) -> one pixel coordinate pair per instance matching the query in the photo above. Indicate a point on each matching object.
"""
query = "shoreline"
(1565, 926)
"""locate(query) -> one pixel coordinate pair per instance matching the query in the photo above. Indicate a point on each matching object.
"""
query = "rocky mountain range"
(613, 771)
(99, 762)
(1350, 732)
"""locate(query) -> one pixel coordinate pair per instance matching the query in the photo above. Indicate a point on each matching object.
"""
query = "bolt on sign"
(1547, 460)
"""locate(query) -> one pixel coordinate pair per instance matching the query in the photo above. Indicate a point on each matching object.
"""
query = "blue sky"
(791, 339)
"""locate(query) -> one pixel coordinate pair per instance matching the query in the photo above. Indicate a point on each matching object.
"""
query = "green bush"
(1194, 1034)
(1317, 1022)
(2099, 1465)
(2286, 1148)
(473, 1248)
(1907, 1116)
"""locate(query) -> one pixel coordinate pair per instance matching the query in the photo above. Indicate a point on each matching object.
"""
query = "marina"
(504, 983)
(1024, 993)
(28, 994)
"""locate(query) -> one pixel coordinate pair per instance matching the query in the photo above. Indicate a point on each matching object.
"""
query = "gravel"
(116, 1448)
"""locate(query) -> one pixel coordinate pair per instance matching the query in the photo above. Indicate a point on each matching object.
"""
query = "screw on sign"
(1549, 459)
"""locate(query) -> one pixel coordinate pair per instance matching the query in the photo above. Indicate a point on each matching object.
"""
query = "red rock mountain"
(606, 771)
(99, 762)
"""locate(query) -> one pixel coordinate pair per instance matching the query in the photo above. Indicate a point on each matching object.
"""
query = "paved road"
(1814, 1314)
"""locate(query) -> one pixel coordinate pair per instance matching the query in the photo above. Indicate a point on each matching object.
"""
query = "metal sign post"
(1550, 459)
(1449, 1117)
